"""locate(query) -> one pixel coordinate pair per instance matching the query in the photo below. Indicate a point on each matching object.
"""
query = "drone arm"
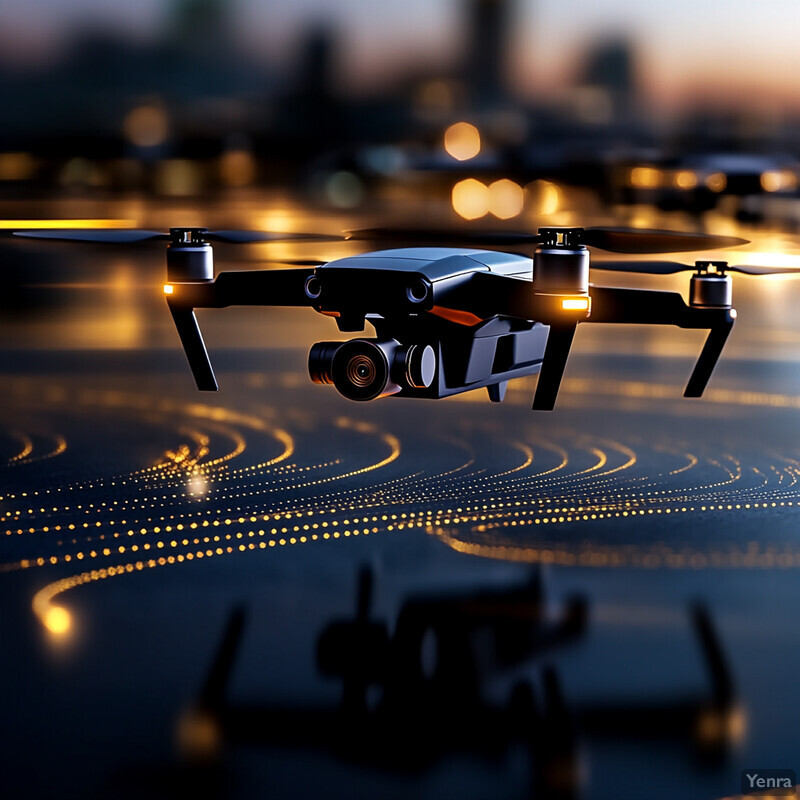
(194, 347)
(285, 287)
(644, 306)
(485, 295)
(266, 287)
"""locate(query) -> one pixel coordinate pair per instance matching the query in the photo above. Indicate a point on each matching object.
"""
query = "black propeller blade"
(127, 236)
(633, 240)
(107, 236)
(294, 262)
(252, 237)
(753, 269)
(671, 267)
(451, 236)
(615, 240)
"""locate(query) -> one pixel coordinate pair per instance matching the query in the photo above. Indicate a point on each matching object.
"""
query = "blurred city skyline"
(688, 53)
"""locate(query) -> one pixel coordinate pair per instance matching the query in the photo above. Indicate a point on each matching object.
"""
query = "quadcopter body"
(450, 318)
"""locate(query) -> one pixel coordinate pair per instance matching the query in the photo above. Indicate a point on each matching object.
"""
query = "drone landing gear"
(195, 348)
(559, 342)
(709, 356)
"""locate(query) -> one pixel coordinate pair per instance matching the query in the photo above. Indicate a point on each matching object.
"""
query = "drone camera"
(365, 369)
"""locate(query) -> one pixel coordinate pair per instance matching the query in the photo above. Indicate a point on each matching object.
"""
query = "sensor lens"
(313, 287)
(417, 292)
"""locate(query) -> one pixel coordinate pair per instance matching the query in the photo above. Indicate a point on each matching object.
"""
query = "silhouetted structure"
(487, 46)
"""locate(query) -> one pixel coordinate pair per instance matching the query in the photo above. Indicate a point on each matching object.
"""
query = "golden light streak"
(64, 224)
(494, 506)
(27, 447)
(168, 288)
(576, 304)
(693, 461)
(527, 452)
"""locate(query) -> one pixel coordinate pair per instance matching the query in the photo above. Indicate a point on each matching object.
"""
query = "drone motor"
(710, 287)
(560, 263)
(189, 257)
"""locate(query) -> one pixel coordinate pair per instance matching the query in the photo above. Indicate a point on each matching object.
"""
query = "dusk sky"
(687, 48)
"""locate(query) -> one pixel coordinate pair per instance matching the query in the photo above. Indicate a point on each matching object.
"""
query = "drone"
(448, 318)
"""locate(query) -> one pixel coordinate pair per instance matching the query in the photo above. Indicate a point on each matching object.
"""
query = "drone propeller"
(126, 236)
(295, 262)
(672, 267)
(616, 240)
(107, 236)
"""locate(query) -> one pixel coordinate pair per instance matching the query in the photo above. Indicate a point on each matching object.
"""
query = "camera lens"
(361, 369)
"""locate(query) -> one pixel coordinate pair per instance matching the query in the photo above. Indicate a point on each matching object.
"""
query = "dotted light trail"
(231, 483)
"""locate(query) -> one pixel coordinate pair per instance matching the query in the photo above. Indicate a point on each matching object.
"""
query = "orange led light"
(168, 288)
(575, 304)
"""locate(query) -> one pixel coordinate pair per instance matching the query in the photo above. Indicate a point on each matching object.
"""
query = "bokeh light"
(462, 141)
(57, 620)
(471, 199)
(146, 126)
(506, 199)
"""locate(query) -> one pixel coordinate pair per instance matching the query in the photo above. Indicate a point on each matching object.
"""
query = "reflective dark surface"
(273, 591)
